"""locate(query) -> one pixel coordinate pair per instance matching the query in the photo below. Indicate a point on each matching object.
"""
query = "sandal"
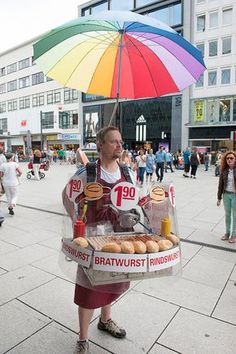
(232, 239)
(225, 237)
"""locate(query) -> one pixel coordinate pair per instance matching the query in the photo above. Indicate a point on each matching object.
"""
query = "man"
(2, 156)
(169, 160)
(87, 297)
(186, 156)
(160, 159)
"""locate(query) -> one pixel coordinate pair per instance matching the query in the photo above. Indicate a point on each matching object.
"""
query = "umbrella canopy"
(119, 54)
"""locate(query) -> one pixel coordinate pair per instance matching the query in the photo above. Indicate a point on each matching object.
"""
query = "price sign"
(124, 196)
(74, 188)
(171, 194)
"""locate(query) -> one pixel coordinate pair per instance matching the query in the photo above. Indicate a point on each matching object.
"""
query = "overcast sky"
(21, 20)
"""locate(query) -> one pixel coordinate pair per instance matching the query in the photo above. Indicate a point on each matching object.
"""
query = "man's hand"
(218, 202)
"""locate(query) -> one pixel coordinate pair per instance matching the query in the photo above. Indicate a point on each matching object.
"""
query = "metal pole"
(41, 129)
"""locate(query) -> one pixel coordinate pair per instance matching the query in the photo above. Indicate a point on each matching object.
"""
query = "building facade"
(213, 98)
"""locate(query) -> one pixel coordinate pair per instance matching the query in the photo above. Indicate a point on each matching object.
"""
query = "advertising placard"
(116, 262)
(82, 256)
(162, 260)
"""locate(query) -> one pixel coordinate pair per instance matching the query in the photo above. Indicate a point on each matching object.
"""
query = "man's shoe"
(11, 211)
(82, 347)
(111, 327)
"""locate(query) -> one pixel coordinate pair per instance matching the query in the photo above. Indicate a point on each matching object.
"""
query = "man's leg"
(108, 325)
(162, 171)
(85, 316)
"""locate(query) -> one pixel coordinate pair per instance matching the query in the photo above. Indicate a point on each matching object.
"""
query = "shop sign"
(198, 111)
(52, 137)
(71, 136)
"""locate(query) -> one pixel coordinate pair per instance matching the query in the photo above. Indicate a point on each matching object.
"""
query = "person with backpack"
(107, 172)
(36, 162)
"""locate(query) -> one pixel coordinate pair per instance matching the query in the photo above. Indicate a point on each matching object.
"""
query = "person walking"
(36, 162)
(206, 160)
(108, 173)
(141, 164)
(150, 165)
(169, 161)
(194, 162)
(9, 172)
(227, 191)
(186, 156)
(160, 159)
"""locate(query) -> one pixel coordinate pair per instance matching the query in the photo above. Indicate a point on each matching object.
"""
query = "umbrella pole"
(121, 31)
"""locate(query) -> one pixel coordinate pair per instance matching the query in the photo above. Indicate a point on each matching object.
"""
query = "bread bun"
(152, 246)
(157, 194)
(93, 191)
(127, 247)
(111, 247)
(173, 238)
(81, 241)
(165, 245)
(139, 247)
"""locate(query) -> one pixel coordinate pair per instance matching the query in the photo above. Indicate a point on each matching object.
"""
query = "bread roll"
(157, 194)
(93, 190)
(152, 246)
(139, 247)
(111, 247)
(81, 241)
(165, 245)
(127, 247)
(173, 238)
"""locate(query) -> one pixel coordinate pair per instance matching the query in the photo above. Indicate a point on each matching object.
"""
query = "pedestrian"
(206, 160)
(169, 161)
(9, 172)
(2, 156)
(160, 159)
(36, 162)
(87, 297)
(141, 164)
(125, 158)
(150, 165)
(194, 162)
(227, 190)
(186, 156)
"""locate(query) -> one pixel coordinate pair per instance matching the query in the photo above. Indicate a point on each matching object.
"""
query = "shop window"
(225, 76)
(213, 19)
(201, 23)
(213, 48)
(227, 16)
(212, 111)
(224, 111)
(212, 78)
(226, 45)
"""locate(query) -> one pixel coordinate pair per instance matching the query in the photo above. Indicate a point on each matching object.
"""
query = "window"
(3, 107)
(213, 48)
(140, 3)
(12, 85)
(201, 23)
(171, 15)
(234, 109)
(122, 5)
(48, 120)
(224, 111)
(12, 105)
(2, 88)
(48, 79)
(200, 81)
(226, 45)
(37, 78)
(212, 78)
(2, 72)
(70, 95)
(211, 110)
(227, 17)
(100, 7)
(57, 96)
(12, 68)
(38, 100)
(3, 125)
(200, 1)
(25, 63)
(225, 76)
(24, 82)
(50, 97)
(213, 19)
(24, 102)
(201, 47)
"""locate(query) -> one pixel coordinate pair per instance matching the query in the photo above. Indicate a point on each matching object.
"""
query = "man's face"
(113, 145)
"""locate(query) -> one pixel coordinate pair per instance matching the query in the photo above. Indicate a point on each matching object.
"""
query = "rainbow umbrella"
(119, 54)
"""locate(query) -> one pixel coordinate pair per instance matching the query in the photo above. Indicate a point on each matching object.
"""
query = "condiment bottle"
(165, 227)
(79, 229)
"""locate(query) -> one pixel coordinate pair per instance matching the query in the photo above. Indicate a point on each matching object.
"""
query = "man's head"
(9, 156)
(109, 142)
(1, 150)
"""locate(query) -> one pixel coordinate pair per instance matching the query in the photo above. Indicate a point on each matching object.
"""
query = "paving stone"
(159, 349)
(54, 243)
(20, 281)
(2, 271)
(218, 254)
(143, 317)
(233, 275)
(193, 333)
(226, 307)
(18, 322)
(6, 247)
(24, 256)
(189, 250)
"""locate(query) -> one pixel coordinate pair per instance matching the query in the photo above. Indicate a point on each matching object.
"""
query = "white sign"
(74, 187)
(116, 262)
(124, 196)
(72, 136)
(82, 256)
(162, 260)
